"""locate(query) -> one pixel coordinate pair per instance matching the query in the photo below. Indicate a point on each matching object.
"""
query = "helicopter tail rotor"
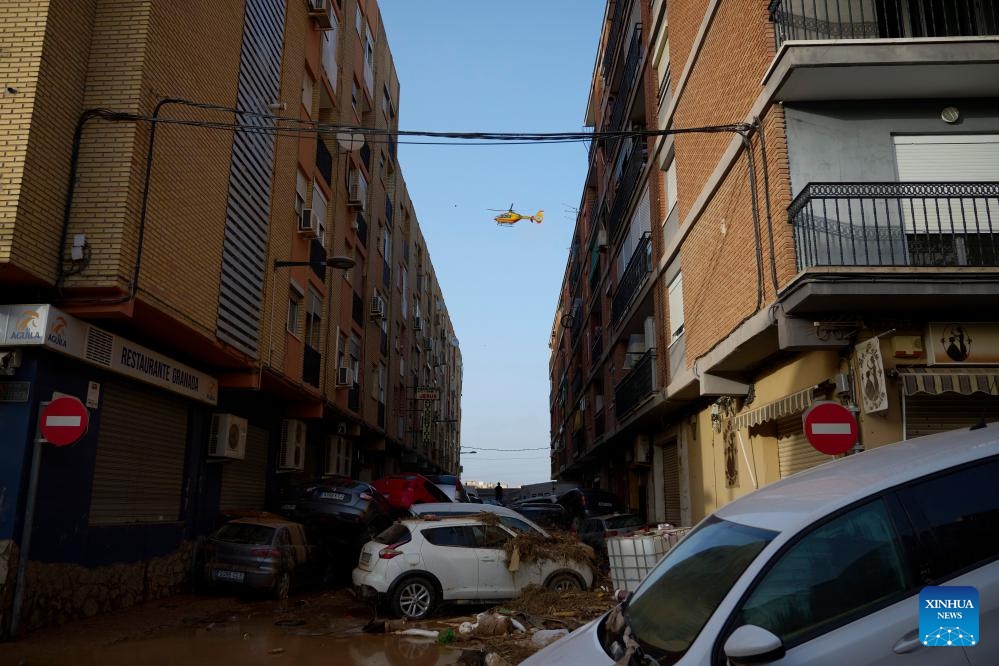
(538, 217)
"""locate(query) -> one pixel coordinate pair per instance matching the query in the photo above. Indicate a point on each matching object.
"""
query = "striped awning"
(934, 381)
(794, 403)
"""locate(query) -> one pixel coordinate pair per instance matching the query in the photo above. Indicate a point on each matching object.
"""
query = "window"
(358, 20)
(517, 525)
(294, 313)
(355, 92)
(839, 572)
(958, 515)
(387, 244)
(676, 309)
(460, 536)
(355, 357)
(301, 191)
(307, 93)
(319, 208)
(670, 187)
(313, 319)
(490, 536)
(329, 50)
(369, 62)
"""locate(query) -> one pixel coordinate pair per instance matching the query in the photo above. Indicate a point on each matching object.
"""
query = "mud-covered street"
(310, 628)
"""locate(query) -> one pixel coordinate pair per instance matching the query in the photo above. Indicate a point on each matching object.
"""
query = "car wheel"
(282, 586)
(564, 582)
(415, 598)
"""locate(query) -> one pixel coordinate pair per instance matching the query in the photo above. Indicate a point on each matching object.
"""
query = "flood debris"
(531, 547)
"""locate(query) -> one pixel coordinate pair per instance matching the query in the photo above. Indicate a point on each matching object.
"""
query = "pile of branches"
(533, 547)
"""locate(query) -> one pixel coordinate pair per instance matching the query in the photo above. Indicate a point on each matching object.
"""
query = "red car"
(404, 490)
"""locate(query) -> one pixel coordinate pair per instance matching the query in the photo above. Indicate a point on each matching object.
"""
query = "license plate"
(236, 576)
(333, 496)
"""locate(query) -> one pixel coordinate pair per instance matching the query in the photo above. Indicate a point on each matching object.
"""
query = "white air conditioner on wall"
(344, 377)
(320, 12)
(308, 223)
(357, 192)
(292, 454)
(227, 438)
(377, 307)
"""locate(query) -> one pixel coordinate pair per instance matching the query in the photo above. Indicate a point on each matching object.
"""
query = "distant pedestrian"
(499, 493)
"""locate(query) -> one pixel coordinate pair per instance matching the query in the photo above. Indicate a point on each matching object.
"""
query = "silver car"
(826, 568)
(259, 554)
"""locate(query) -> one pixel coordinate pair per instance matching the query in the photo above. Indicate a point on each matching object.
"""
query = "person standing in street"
(499, 493)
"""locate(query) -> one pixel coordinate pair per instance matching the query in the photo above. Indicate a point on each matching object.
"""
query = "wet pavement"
(321, 628)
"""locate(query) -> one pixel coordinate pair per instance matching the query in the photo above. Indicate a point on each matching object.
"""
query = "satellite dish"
(349, 141)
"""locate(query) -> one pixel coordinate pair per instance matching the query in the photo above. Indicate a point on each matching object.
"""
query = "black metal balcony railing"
(882, 19)
(576, 384)
(626, 188)
(366, 156)
(324, 161)
(896, 224)
(636, 385)
(311, 362)
(578, 443)
(635, 275)
(577, 320)
(614, 37)
(389, 210)
(317, 258)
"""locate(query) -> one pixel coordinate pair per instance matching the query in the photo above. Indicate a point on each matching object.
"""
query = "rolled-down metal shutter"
(794, 453)
(671, 482)
(139, 472)
(927, 414)
(244, 481)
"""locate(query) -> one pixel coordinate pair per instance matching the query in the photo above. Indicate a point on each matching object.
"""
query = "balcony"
(596, 345)
(625, 189)
(883, 49)
(894, 247)
(634, 278)
(637, 385)
(614, 35)
(311, 363)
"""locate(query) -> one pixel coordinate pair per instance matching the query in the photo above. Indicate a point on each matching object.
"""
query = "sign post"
(830, 427)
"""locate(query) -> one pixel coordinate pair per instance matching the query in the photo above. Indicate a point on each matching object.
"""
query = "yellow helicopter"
(509, 218)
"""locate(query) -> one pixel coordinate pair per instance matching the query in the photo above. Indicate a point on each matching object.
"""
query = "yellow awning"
(934, 381)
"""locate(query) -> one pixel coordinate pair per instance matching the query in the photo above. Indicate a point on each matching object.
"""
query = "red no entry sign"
(64, 420)
(830, 427)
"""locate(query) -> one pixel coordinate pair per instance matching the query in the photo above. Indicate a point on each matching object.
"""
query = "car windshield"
(244, 533)
(619, 522)
(676, 599)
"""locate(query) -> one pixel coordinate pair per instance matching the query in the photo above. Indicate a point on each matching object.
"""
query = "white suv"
(824, 568)
(416, 564)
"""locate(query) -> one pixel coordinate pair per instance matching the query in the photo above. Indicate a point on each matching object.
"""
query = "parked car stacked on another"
(417, 564)
(595, 531)
(825, 567)
(583, 503)
(404, 490)
(451, 485)
(353, 509)
(259, 554)
(551, 515)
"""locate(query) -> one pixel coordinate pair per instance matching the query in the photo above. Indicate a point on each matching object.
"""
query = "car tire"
(282, 586)
(564, 582)
(414, 598)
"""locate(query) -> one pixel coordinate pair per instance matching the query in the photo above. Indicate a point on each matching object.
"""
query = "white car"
(825, 568)
(512, 519)
(417, 564)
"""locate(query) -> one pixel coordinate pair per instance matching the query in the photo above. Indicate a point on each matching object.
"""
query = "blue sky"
(511, 66)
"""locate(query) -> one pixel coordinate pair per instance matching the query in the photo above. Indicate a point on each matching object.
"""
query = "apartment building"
(215, 252)
(812, 219)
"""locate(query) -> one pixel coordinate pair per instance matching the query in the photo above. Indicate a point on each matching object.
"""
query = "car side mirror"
(750, 644)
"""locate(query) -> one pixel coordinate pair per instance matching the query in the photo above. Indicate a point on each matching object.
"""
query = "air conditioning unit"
(357, 193)
(227, 438)
(417, 324)
(377, 307)
(292, 454)
(319, 10)
(308, 223)
(344, 377)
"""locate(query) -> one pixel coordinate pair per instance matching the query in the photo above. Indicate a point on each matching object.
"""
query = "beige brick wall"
(34, 170)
